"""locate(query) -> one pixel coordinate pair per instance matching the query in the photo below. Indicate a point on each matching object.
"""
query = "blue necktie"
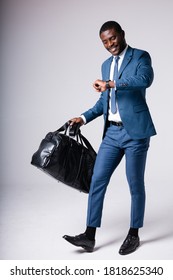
(113, 94)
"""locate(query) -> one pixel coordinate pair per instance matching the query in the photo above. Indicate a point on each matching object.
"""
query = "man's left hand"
(100, 85)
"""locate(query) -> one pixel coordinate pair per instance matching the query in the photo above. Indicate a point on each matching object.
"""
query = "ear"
(123, 34)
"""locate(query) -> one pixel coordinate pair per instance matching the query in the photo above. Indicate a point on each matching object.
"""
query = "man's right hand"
(76, 120)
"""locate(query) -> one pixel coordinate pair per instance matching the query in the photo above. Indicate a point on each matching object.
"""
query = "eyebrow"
(109, 38)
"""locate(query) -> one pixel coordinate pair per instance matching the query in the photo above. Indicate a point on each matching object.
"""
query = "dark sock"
(133, 231)
(90, 233)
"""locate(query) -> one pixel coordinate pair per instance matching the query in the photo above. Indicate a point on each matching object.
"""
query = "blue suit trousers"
(114, 146)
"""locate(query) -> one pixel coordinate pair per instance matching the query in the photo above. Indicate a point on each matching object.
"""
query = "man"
(127, 130)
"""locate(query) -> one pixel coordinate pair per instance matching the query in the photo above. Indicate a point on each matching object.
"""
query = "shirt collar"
(122, 54)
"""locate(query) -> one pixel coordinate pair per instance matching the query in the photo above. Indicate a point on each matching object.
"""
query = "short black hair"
(110, 25)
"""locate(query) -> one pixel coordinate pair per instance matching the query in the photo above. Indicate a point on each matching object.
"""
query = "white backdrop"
(50, 55)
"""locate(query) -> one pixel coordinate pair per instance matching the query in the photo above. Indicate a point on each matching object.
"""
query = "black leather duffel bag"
(68, 159)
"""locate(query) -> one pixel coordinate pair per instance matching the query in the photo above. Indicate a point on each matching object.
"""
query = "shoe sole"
(131, 250)
(86, 248)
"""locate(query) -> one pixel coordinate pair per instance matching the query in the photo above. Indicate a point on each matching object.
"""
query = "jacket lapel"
(106, 76)
(126, 60)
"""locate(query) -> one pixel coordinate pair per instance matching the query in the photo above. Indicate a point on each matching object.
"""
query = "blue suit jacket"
(135, 75)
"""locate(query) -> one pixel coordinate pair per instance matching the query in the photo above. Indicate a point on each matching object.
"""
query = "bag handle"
(63, 128)
(73, 131)
(76, 132)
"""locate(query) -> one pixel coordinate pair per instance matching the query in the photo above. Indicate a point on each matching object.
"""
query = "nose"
(110, 43)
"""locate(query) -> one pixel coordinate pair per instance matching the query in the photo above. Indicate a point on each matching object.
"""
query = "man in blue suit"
(127, 130)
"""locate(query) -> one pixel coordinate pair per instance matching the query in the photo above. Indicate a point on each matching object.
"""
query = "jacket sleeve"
(139, 76)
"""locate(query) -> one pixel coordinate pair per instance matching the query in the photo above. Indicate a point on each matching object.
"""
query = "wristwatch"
(107, 85)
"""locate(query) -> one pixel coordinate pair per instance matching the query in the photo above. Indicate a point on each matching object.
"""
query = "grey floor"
(34, 217)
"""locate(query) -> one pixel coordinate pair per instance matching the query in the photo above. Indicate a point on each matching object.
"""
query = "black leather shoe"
(129, 245)
(81, 240)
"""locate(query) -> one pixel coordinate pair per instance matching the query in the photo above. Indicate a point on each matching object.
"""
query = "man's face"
(113, 41)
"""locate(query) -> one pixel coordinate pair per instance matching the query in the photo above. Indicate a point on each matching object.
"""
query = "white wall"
(51, 54)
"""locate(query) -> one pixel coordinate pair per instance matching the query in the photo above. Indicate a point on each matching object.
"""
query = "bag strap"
(86, 142)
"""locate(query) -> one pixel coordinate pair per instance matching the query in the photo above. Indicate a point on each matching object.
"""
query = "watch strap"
(107, 84)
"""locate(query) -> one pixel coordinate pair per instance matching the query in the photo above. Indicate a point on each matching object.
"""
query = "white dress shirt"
(115, 117)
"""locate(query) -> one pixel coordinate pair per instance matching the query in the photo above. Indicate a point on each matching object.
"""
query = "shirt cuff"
(83, 118)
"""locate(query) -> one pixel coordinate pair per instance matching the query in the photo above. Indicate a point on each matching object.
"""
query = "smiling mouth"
(113, 49)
